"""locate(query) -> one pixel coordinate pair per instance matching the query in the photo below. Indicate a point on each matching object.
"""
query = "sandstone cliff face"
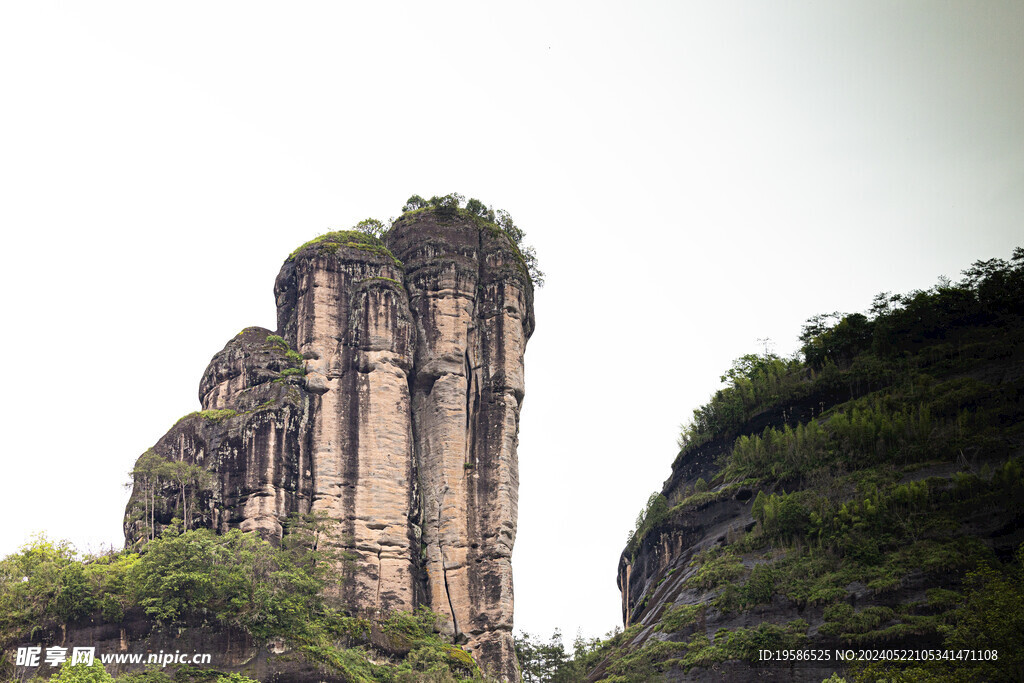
(344, 309)
(473, 311)
(389, 402)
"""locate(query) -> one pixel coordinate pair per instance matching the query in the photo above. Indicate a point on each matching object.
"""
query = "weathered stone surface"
(390, 402)
(345, 309)
(473, 310)
(246, 361)
(255, 452)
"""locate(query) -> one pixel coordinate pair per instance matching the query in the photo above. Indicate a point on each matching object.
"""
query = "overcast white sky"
(695, 177)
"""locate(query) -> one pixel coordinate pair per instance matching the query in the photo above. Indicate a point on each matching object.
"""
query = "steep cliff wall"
(345, 310)
(472, 304)
(387, 400)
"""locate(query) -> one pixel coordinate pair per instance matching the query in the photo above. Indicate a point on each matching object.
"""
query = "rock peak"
(387, 399)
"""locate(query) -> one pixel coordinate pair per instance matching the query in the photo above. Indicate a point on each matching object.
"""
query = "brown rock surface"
(390, 402)
(473, 309)
(344, 309)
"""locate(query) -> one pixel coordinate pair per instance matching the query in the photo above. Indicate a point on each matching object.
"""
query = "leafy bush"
(372, 227)
(678, 617)
(414, 203)
(754, 382)
(82, 673)
(760, 585)
(448, 206)
(477, 208)
(33, 585)
(237, 580)
(278, 341)
(716, 566)
(655, 511)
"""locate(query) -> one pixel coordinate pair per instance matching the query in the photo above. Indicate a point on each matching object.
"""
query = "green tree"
(372, 227)
(653, 513)
(542, 662)
(236, 579)
(478, 208)
(190, 480)
(147, 478)
(446, 205)
(108, 579)
(757, 509)
(38, 587)
(992, 618)
(73, 598)
(505, 222)
(82, 673)
(414, 202)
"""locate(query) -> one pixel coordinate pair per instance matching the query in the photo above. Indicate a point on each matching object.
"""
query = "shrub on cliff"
(42, 585)
(480, 210)
(446, 205)
(449, 206)
(372, 227)
(414, 203)
(82, 673)
(655, 511)
(236, 579)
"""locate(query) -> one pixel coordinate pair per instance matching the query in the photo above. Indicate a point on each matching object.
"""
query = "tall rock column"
(472, 303)
(388, 401)
(342, 305)
(504, 323)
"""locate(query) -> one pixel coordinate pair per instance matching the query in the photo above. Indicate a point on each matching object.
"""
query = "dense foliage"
(452, 205)
(887, 455)
(234, 581)
(548, 662)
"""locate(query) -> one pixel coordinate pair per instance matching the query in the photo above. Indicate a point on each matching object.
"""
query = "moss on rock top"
(331, 242)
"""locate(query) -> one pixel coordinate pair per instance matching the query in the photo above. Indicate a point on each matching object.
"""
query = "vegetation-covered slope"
(869, 494)
(222, 588)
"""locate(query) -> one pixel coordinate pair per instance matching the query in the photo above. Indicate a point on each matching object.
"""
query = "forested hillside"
(865, 494)
(230, 595)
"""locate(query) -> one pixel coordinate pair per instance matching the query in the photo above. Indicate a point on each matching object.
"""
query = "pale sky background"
(695, 177)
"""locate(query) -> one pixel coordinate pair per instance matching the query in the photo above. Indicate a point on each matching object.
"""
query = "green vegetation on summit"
(371, 234)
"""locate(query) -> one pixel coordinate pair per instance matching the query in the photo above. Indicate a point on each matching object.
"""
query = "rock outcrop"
(243, 461)
(388, 400)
